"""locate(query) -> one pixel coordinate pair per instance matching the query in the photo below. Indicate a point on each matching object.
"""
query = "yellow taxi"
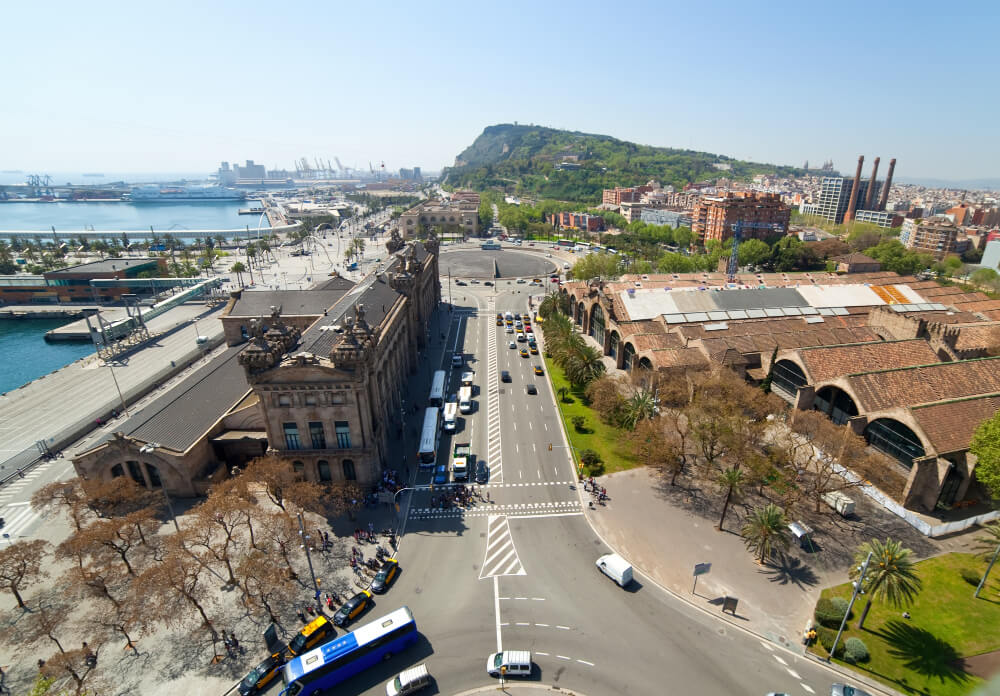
(317, 631)
(261, 675)
(353, 608)
(385, 576)
(524, 352)
(538, 370)
(533, 348)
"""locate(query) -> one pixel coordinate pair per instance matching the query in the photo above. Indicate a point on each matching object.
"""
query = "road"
(518, 572)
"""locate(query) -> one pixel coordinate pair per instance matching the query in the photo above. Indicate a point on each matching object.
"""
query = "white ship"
(155, 192)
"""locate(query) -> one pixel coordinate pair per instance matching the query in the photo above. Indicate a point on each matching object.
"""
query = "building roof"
(925, 384)
(978, 336)
(949, 426)
(678, 357)
(824, 363)
(104, 266)
(177, 419)
(258, 303)
(854, 257)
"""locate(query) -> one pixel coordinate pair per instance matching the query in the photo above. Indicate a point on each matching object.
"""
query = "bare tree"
(282, 484)
(176, 583)
(217, 529)
(281, 531)
(263, 581)
(120, 496)
(104, 538)
(66, 495)
(818, 446)
(679, 426)
(126, 616)
(21, 566)
(78, 665)
(656, 447)
(50, 621)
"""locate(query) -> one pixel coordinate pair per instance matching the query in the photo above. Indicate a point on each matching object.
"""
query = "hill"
(570, 165)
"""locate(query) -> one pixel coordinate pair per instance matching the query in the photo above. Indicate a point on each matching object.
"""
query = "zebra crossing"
(501, 556)
(522, 509)
(18, 517)
(494, 453)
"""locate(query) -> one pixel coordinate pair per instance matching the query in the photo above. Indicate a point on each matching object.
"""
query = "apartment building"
(714, 216)
(937, 235)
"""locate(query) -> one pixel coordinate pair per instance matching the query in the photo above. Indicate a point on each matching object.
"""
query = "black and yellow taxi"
(499, 320)
(317, 631)
(524, 352)
(353, 608)
(538, 370)
(261, 676)
(533, 348)
(385, 576)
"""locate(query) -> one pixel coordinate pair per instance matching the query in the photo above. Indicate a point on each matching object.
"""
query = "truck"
(462, 461)
(465, 399)
(450, 415)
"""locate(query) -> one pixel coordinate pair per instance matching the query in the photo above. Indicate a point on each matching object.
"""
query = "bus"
(429, 438)
(331, 663)
(437, 389)
(566, 243)
(488, 246)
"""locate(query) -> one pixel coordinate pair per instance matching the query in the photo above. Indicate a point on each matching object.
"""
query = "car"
(527, 328)
(521, 338)
(520, 281)
(385, 576)
(489, 282)
(441, 474)
(512, 345)
(261, 675)
(505, 376)
(474, 281)
(531, 389)
(539, 370)
(555, 280)
(548, 256)
(353, 608)
(482, 472)
(845, 690)
(523, 352)
(533, 348)
(499, 322)
(517, 316)
(509, 329)
(460, 282)
(499, 317)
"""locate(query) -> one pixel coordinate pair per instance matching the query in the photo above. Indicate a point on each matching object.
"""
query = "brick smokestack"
(888, 182)
(852, 204)
(870, 198)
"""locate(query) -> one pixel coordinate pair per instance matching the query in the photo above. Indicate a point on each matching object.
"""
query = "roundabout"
(506, 263)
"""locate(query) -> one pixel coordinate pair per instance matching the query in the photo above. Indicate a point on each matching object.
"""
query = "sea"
(27, 355)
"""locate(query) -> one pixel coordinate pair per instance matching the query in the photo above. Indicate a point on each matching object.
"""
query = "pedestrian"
(302, 616)
(326, 539)
(235, 643)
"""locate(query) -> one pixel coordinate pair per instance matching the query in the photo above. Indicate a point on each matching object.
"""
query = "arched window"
(628, 355)
(597, 323)
(613, 344)
(154, 475)
(135, 472)
(117, 471)
(323, 467)
(349, 470)
(787, 376)
(895, 439)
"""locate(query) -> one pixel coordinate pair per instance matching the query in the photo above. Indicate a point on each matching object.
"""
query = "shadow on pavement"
(789, 570)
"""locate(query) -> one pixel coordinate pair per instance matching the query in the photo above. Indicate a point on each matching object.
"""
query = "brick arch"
(580, 315)
(895, 438)
(836, 402)
(596, 323)
(627, 357)
(787, 375)
(612, 343)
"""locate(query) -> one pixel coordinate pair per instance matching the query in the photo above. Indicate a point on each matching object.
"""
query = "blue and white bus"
(490, 246)
(429, 437)
(437, 389)
(331, 663)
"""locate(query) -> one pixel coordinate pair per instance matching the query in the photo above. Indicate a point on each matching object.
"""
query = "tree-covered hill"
(569, 165)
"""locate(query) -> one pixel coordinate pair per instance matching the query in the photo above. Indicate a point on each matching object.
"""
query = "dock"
(251, 211)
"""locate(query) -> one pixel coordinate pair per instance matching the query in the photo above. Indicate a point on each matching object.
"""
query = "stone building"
(461, 212)
(324, 389)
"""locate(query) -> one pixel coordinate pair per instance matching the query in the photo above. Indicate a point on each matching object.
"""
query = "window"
(292, 441)
(343, 434)
(310, 400)
(154, 475)
(323, 467)
(317, 435)
(284, 400)
(117, 471)
(349, 470)
(298, 467)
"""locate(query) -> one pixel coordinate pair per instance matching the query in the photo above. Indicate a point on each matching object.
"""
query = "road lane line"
(807, 687)
(589, 664)
(563, 657)
(543, 625)
(496, 609)
(778, 658)
(523, 623)
(793, 673)
(565, 628)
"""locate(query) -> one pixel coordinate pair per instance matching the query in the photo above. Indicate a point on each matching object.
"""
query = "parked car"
(261, 676)
(845, 690)
(385, 576)
(353, 608)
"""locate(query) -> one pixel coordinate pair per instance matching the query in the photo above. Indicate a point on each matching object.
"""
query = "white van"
(465, 399)
(467, 378)
(450, 415)
(408, 681)
(616, 568)
(511, 663)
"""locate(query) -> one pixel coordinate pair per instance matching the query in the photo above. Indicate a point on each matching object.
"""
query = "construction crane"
(738, 227)
(340, 167)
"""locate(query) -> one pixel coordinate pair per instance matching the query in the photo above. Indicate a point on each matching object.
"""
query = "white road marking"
(538, 599)
(546, 425)
(563, 657)
(767, 645)
(793, 673)
(807, 687)
(778, 658)
(541, 653)
(589, 664)
(543, 625)
(523, 623)
(565, 628)
(496, 609)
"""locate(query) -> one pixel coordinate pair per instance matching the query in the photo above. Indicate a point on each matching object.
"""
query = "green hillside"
(524, 160)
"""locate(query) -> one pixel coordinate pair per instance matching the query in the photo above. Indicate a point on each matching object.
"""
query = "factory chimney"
(852, 204)
(870, 198)
(888, 182)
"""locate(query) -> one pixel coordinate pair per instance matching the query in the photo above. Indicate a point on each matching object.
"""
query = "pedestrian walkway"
(501, 555)
(511, 509)
(17, 518)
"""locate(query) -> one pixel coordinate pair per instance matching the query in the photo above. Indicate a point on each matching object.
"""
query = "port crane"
(734, 257)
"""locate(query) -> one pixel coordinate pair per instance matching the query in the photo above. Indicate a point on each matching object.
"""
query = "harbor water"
(28, 356)
(70, 218)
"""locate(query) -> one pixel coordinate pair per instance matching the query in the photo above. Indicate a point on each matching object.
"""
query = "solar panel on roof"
(737, 314)
(900, 308)
(825, 312)
(791, 311)
(674, 318)
(721, 326)
(696, 316)
(718, 316)
(814, 320)
(840, 311)
(773, 312)
(756, 313)
(808, 310)
(938, 306)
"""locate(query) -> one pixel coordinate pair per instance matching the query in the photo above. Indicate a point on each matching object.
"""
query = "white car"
(512, 345)
(509, 329)
(520, 281)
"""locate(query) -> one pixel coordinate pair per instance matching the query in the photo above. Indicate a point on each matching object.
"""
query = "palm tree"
(563, 392)
(584, 364)
(890, 575)
(765, 530)
(239, 269)
(731, 480)
(640, 406)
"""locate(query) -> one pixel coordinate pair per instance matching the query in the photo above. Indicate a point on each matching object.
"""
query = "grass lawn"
(915, 655)
(600, 437)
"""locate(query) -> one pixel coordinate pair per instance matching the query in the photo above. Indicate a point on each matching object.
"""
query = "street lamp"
(305, 545)
(118, 389)
(146, 449)
(857, 589)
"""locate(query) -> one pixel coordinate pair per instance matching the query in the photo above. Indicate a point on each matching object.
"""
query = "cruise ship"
(155, 192)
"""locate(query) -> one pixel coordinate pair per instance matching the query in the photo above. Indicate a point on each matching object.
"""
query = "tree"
(554, 302)
(891, 575)
(77, 665)
(584, 365)
(683, 237)
(986, 446)
(68, 495)
(753, 252)
(604, 395)
(730, 480)
(176, 583)
(282, 484)
(280, 532)
(679, 427)
(765, 530)
(602, 265)
(107, 538)
(21, 566)
(263, 583)
(239, 269)
(985, 544)
(216, 529)
(815, 447)
(637, 408)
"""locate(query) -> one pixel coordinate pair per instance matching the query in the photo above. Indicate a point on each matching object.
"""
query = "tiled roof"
(854, 257)
(949, 426)
(925, 384)
(828, 362)
(938, 316)
(258, 303)
(978, 336)
(659, 341)
(178, 418)
(980, 306)
(678, 357)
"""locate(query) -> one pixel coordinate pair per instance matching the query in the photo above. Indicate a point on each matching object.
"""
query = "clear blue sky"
(179, 86)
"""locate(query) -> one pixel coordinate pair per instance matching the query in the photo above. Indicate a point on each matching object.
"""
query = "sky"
(180, 86)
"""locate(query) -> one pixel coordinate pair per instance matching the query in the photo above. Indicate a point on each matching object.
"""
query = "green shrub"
(826, 636)
(855, 650)
(590, 458)
(579, 423)
(829, 614)
(841, 605)
(971, 576)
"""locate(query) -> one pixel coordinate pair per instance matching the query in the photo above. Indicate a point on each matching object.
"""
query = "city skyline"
(100, 91)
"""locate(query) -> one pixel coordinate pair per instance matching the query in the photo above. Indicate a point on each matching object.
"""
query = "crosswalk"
(493, 448)
(18, 518)
(501, 556)
(546, 509)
